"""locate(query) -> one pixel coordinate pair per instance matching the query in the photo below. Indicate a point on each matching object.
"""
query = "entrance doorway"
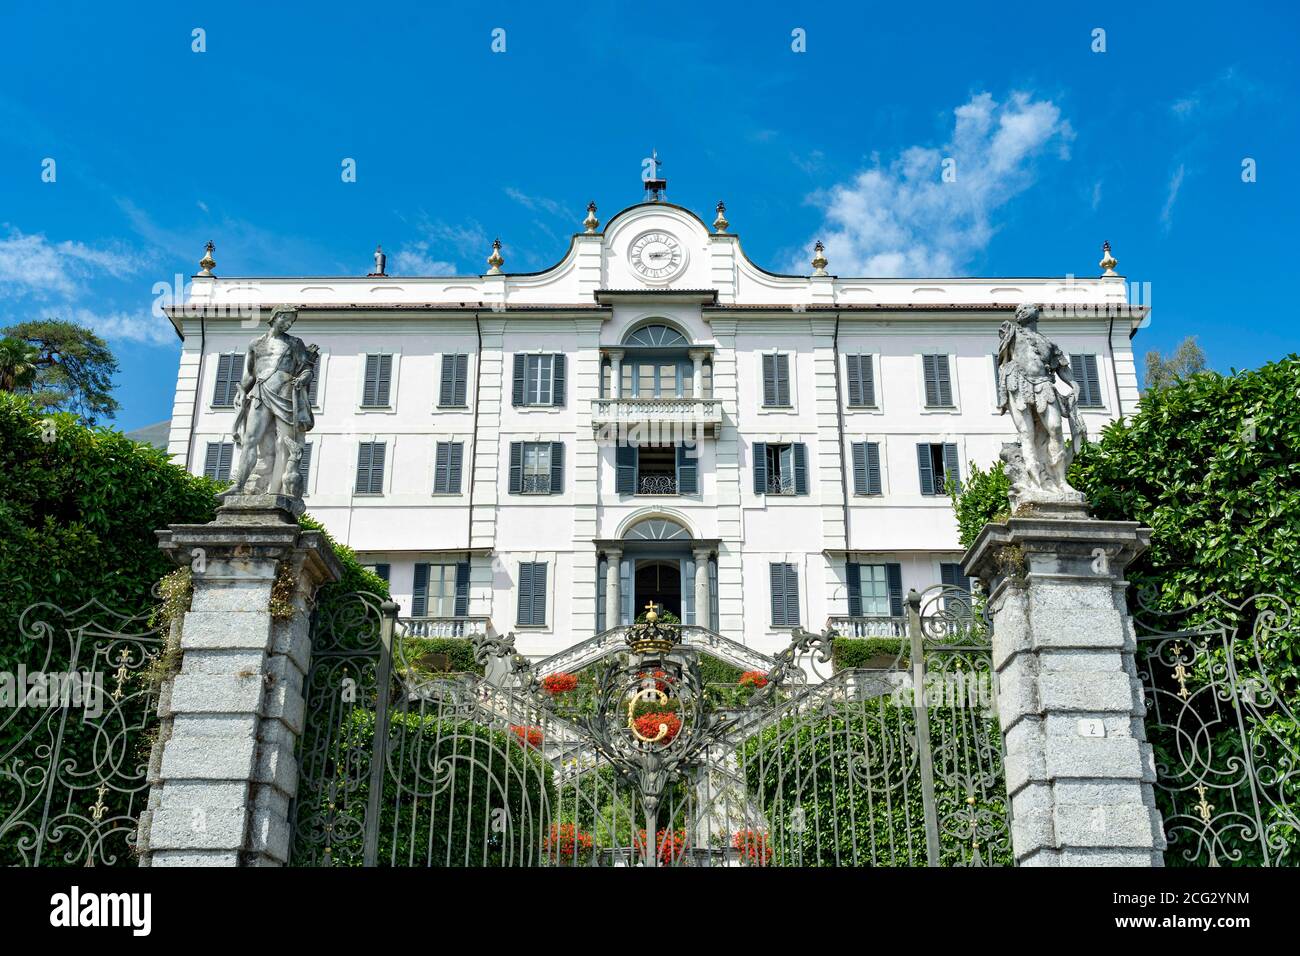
(660, 582)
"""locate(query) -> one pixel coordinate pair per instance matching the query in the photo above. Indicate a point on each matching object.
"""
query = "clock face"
(657, 256)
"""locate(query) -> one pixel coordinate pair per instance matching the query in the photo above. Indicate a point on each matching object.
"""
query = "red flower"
(529, 736)
(565, 840)
(662, 679)
(650, 726)
(753, 847)
(671, 843)
(559, 683)
(753, 679)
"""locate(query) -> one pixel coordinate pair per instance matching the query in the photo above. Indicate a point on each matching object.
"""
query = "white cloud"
(904, 219)
(1175, 184)
(535, 203)
(414, 260)
(123, 326)
(32, 265)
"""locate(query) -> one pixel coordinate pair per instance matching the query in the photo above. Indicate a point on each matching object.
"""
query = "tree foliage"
(72, 368)
(1186, 360)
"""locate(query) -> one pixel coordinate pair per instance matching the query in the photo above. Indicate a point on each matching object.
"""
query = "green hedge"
(848, 653)
(458, 650)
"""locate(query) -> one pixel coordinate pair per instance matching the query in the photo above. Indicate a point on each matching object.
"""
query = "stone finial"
(1108, 261)
(720, 224)
(207, 263)
(819, 261)
(591, 223)
(381, 262)
(495, 260)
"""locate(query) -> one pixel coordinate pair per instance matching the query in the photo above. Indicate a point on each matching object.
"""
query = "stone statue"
(381, 262)
(1028, 367)
(275, 410)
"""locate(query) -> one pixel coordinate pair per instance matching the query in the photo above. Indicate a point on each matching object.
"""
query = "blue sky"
(158, 148)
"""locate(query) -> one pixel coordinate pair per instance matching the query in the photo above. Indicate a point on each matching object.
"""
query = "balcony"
(465, 627)
(694, 415)
(868, 626)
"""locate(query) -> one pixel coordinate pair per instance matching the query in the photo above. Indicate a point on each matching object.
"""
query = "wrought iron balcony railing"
(432, 626)
(868, 626)
(536, 485)
(688, 413)
(657, 485)
(780, 485)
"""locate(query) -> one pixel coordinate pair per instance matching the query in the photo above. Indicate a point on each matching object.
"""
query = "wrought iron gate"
(638, 762)
(1221, 687)
(75, 733)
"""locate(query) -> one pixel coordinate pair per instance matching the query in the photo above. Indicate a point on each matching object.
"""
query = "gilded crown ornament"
(495, 260)
(207, 263)
(819, 261)
(591, 222)
(720, 224)
(1108, 261)
(651, 637)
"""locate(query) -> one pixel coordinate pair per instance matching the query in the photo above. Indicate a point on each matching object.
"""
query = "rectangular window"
(378, 381)
(536, 468)
(938, 381)
(1083, 369)
(304, 466)
(776, 381)
(538, 380)
(434, 594)
(229, 369)
(866, 468)
(532, 594)
(383, 569)
(370, 467)
(216, 463)
(936, 464)
(785, 595)
(950, 574)
(455, 373)
(862, 381)
(780, 469)
(447, 459)
(869, 592)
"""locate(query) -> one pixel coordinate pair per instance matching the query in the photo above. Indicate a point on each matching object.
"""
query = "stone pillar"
(613, 599)
(223, 771)
(1079, 768)
(615, 373)
(702, 615)
(697, 356)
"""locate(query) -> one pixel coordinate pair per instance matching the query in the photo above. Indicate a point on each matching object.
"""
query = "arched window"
(656, 336)
(657, 529)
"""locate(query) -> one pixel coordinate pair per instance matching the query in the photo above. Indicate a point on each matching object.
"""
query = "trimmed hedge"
(458, 650)
(848, 653)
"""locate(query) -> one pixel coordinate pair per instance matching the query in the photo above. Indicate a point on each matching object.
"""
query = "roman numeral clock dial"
(657, 256)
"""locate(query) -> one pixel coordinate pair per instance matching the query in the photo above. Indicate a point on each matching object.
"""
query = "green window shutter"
(776, 574)
(517, 391)
(1084, 371)
(557, 467)
(383, 569)
(769, 380)
(365, 453)
(557, 379)
(760, 467)
(462, 589)
(942, 366)
(929, 365)
(791, 596)
(853, 575)
(304, 465)
(454, 467)
(525, 615)
(625, 457)
(385, 379)
(873, 468)
(688, 471)
(447, 387)
(602, 570)
(516, 467)
(227, 385)
(800, 468)
(951, 466)
(783, 380)
(539, 594)
(441, 467)
(950, 575)
(894, 579)
(862, 385)
(860, 468)
(420, 591)
(853, 365)
(925, 466)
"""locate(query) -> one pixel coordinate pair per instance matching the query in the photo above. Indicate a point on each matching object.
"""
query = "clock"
(657, 256)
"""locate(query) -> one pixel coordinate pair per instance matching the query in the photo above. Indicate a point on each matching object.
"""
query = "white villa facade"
(468, 438)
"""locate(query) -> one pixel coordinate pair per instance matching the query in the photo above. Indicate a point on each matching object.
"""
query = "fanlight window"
(657, 529)
(656, 336)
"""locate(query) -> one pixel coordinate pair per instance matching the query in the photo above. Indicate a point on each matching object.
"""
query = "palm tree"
(17, 364)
